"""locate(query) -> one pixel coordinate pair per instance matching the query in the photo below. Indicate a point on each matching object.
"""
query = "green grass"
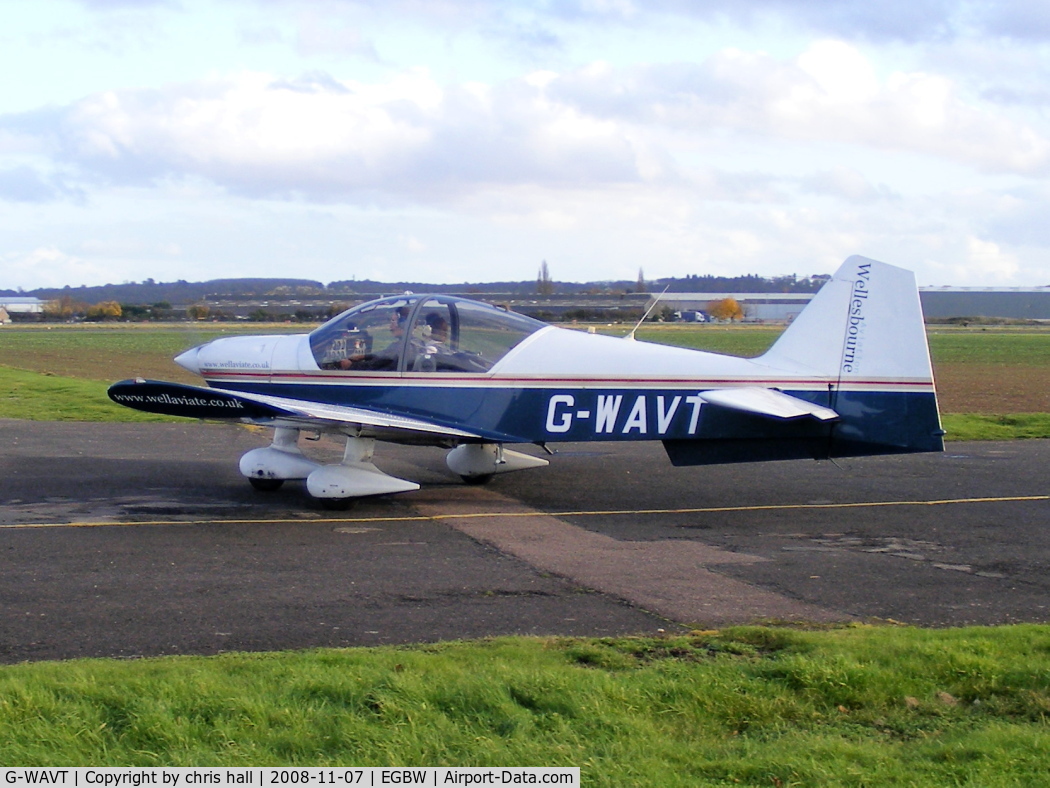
(747, 341)
(1024, 347)
(983, 427)
(57, 372)
(61, 372)
(1008, 347)
(115, 351)
(41, 396)
(66, 343)
(753, 706)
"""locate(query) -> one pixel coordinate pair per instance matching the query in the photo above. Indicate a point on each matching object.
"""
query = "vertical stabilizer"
(863, 335)
(865, 324)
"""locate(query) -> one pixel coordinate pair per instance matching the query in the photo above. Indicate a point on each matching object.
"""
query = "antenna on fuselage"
(638, 325)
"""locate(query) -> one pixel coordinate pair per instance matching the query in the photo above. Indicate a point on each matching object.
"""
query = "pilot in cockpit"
(387, 358)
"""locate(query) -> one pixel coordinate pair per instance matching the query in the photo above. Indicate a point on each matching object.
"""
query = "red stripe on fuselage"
(474, 381)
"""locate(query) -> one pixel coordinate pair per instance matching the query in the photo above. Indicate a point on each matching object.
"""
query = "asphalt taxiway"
(127, 540)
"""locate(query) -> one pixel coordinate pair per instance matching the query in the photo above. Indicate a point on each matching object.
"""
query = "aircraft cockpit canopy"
(413, 333)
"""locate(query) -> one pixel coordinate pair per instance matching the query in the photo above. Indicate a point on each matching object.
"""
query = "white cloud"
(909, 21)
(50, 267)
(1016, 19)
(846, 183)
(828, 93)
(325, 138)
(680, 136)
(986, 262)
(409, 137)
(321, 34)
(25, 184)
(413, 244)
(840, 72)
(973, 262)
(251, 132)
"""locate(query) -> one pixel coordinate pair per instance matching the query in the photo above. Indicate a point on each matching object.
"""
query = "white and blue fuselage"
(851, 376)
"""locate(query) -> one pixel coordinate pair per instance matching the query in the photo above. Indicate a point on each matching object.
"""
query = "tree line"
(151, 300)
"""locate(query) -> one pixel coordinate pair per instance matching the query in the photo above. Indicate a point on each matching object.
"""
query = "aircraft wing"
(176, 399)
(767, 402)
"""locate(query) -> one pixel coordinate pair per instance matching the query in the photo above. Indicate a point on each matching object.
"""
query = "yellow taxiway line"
(508, 515)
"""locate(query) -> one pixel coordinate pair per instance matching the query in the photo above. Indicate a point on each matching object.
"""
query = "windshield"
(367, 338)
(455, 335)
(420, 334)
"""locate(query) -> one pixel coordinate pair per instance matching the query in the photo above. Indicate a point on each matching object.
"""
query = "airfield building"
(25, 304)
(1014, 303)
(1019, 303)
(758, 307)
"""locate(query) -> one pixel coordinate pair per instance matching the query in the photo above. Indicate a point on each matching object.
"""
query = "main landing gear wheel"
(478, 481)
(265, 485)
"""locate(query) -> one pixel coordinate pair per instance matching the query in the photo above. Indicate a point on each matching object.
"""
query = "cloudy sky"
(469, 140)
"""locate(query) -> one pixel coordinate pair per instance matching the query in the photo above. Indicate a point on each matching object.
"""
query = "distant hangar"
(1021, 303)
(1016, 303)
(21, 304)
(758, 307)
(16, 304)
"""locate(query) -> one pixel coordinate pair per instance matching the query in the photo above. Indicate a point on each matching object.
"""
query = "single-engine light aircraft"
(850, 376)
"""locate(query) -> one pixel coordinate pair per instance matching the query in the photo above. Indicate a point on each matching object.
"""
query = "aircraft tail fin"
(864, 333)
(865, 324)
(862, 340)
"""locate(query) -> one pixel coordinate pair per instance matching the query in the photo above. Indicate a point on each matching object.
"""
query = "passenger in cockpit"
(434, 352)
(438, 330)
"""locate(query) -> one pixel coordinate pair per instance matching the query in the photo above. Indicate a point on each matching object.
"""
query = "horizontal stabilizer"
(767, 402)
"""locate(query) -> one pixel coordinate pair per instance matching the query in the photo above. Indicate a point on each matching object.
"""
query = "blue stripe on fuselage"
(526, 415)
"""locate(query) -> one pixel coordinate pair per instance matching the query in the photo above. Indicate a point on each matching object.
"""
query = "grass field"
(61, 373)
(987, 371)
(993, 383)
(110, 352)
(860, 706)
